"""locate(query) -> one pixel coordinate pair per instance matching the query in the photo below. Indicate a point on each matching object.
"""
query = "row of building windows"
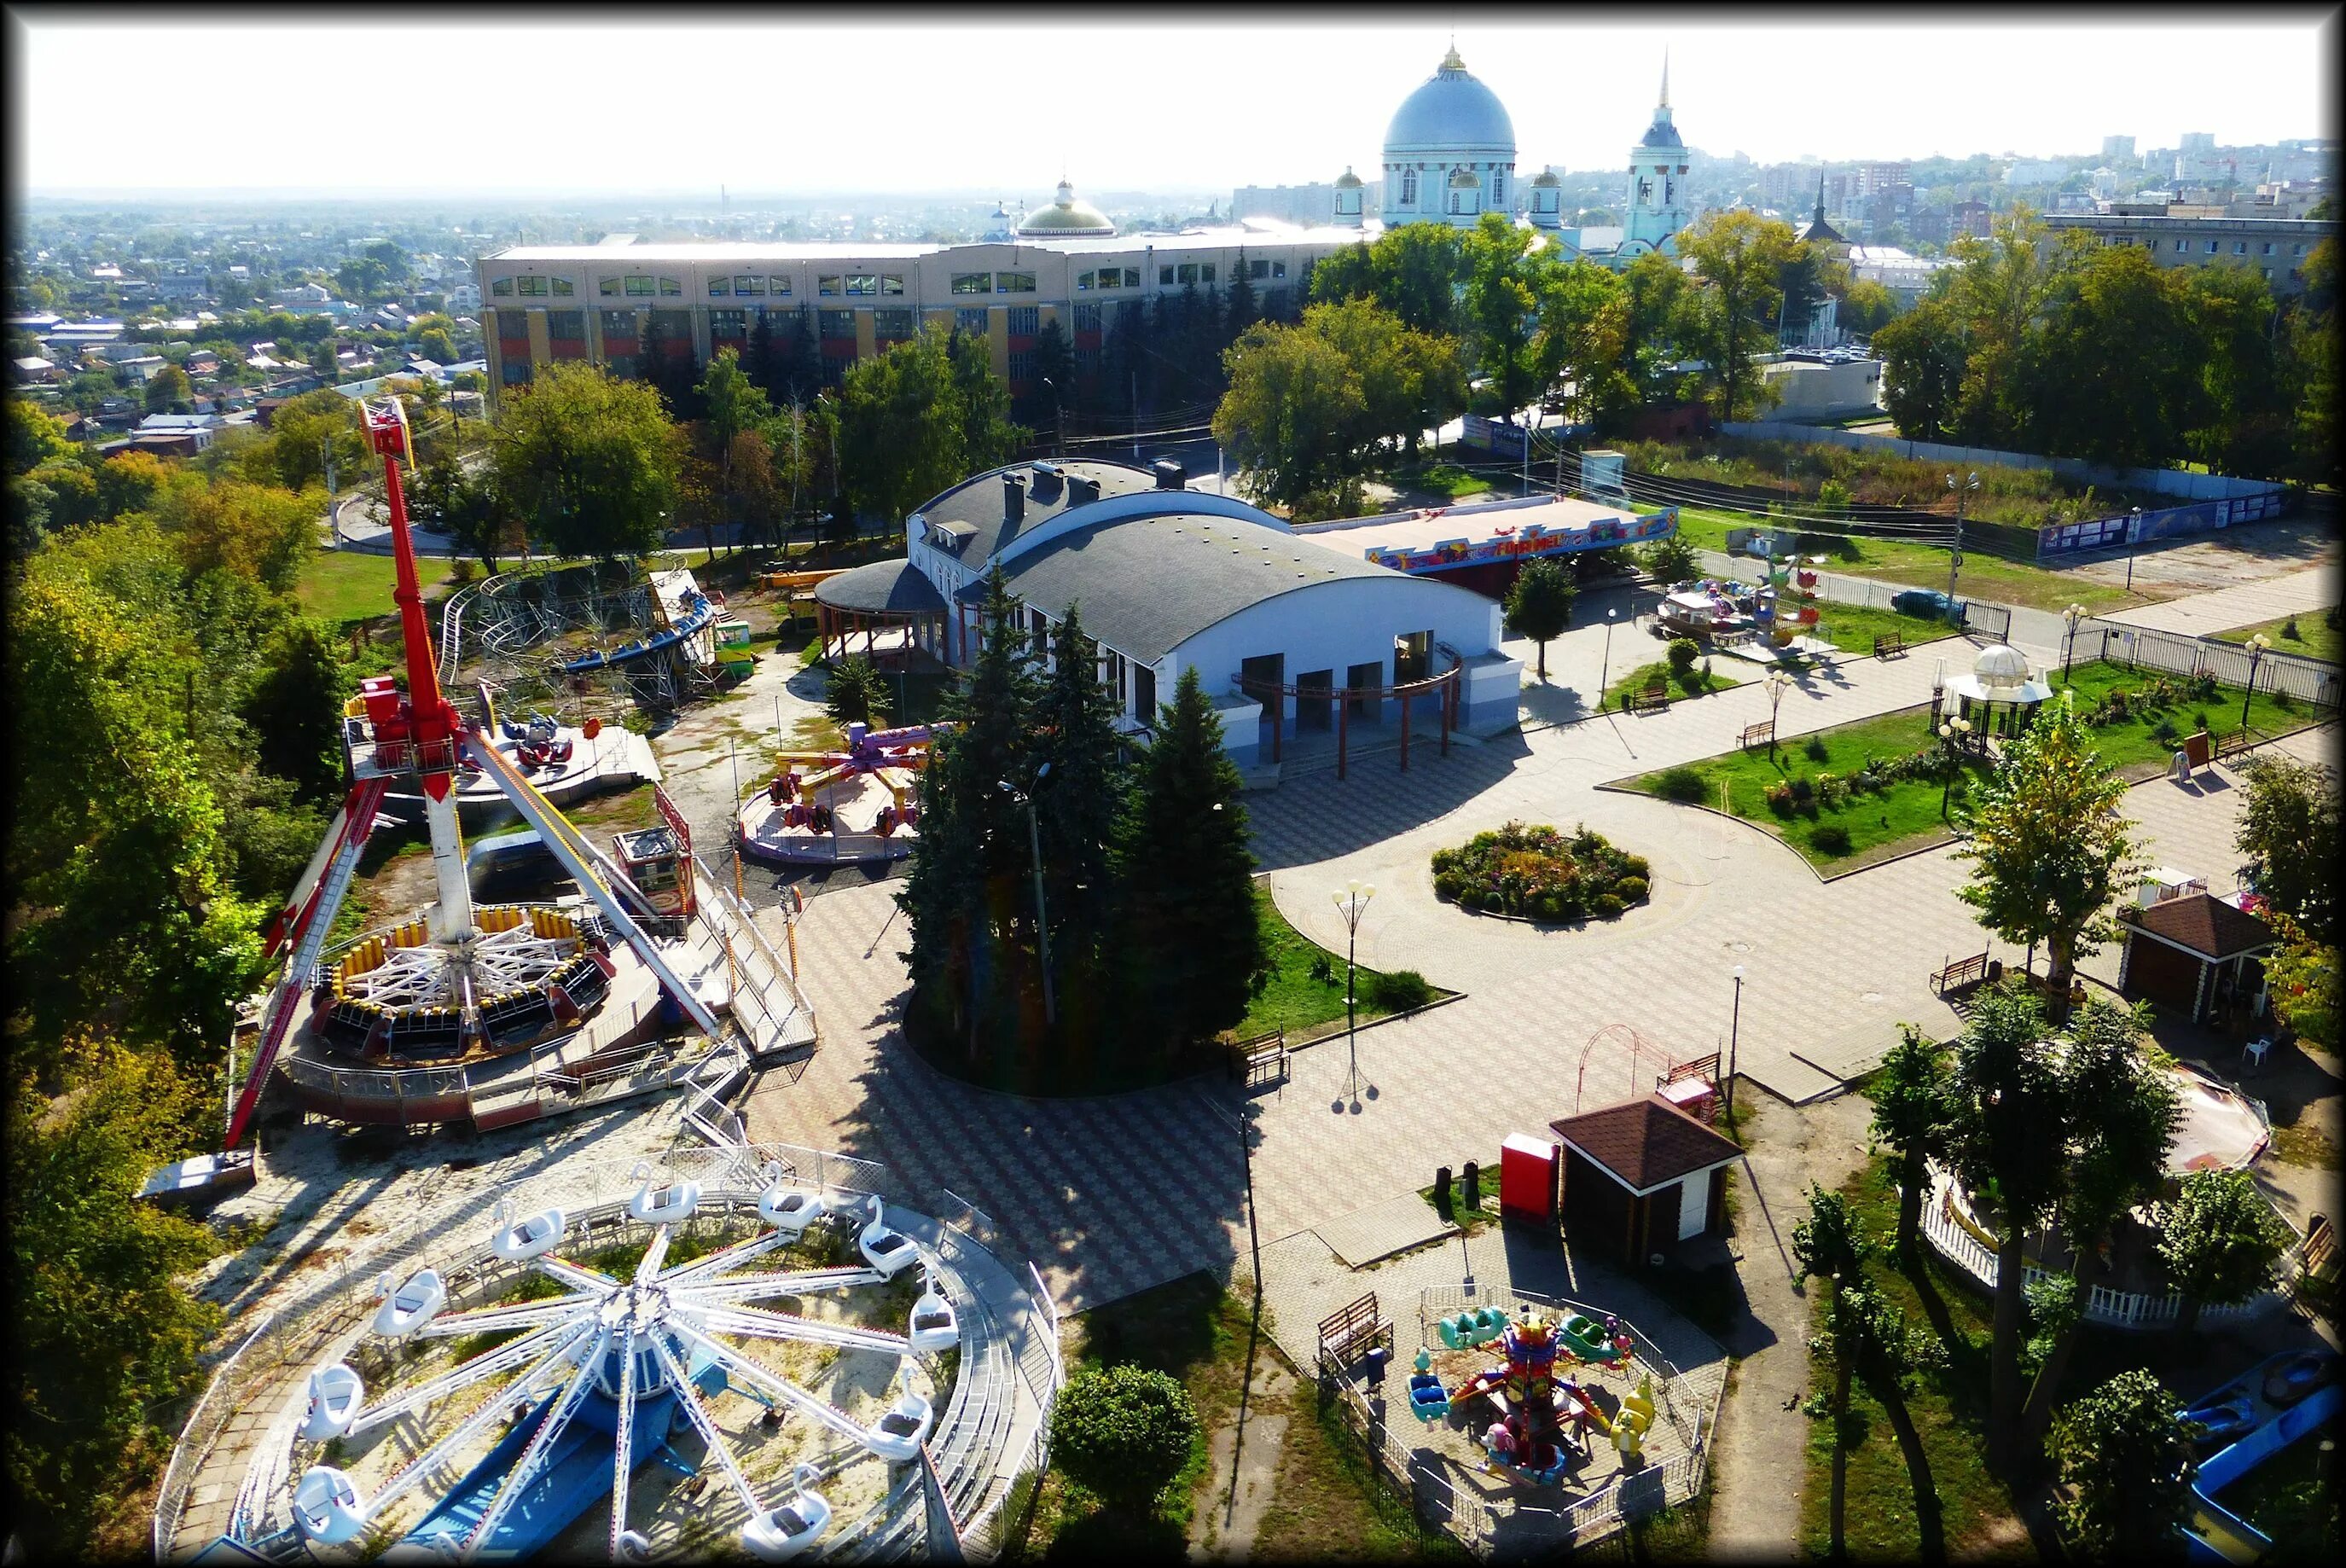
(1109, 277)
(855, 284)
(2208, 246)
(1024, 320)
(748, 286)
(994, 282)
(1185, 272)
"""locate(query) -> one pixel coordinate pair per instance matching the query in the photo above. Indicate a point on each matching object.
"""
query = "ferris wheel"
(496, 1431)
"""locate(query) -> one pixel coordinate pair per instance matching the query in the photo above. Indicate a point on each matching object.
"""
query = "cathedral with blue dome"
(1449, 157)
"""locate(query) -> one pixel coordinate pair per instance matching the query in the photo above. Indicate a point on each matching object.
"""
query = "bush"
(1830, 839)
(1123, 1432)
(2289, 629)
(1780, 798)
(1400, 990)
(1814, 749)
(1683, 652)
(1608, 906)
(1802, 791)
(1682, 784)
(1631, 889)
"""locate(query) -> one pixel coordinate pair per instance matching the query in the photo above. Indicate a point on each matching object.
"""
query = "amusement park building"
(1062, 263)
(1171, 579)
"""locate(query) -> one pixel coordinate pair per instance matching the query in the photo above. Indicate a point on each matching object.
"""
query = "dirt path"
(1759, 1452)
(1242, 1461)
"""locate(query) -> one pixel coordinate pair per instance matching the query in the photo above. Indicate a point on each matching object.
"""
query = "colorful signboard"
(1531, 539)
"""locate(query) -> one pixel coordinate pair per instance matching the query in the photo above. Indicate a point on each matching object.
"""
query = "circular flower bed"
(1538, 873)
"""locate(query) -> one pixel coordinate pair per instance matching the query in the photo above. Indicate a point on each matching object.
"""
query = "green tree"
(169, 392)
(106, 1338)
(1539, 603)
(2000, 293)
(1670, 559)
(1910, 1115)
(2240, 421)
(857, 694)
(1867, 307)
(260, 532)
(295, 708)
(1409, 380)
(1055, 374)
(917, 420)
(1740, 258)
(1925, 359)
(1414, 271)
(2288, 827)
(1078, 805)
(1244, 309)
(448, 498)
(2049, 847)
(1186, 876)
(2127, 1460)
(1503, 281)
(2110, 375)
(1293, 397)
(1584, 332)
(588, 462)
(1829, 1242)
(735, 408)
(2006, 1141)
(1122, 1434)
(2303, 975)
(988, 437)
(2218, 1240)
(34, 437)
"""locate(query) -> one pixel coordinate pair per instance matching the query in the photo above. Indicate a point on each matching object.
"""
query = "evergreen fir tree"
(651, 353)
(1188, 938)
(759, 363)
(1244, 312)
(1079, 804)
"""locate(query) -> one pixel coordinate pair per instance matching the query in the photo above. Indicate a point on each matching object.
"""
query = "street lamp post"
(1951, 736)
(1955, 556)
(1778, 683)
(1605, 667)
(1734, 1035)
(1353, 902)
(2258, 645)
(2070, 617)
(1042, 920)
(2134, 531)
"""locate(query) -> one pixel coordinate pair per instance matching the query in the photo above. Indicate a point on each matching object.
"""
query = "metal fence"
(1988, 620)
(2230, 663)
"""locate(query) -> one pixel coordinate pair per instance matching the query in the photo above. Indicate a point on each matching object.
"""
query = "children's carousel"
(854, 805)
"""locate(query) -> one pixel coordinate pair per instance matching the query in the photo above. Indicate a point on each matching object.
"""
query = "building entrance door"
(1366, 678)
(1260, 677)
(1314, 706)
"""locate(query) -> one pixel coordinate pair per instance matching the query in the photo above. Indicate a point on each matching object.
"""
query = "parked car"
(1929, 603)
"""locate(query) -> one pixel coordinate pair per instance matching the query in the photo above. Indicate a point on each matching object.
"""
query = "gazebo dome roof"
(1069, 215)
(1999, 664)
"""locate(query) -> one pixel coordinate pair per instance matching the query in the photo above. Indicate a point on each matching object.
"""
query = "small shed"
(1643, 1177)
(2197, 954)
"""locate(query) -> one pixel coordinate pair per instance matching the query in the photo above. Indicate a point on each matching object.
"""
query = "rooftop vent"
(1170, 474)
(1081, 490)
(1014, 499)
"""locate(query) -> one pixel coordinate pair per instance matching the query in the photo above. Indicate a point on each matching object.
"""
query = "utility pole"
(1955, 556)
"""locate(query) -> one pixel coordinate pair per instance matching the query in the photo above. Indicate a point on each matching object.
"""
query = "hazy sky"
(1200, 102)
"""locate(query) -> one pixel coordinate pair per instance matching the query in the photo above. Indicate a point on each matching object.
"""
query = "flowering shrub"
(1538, 872)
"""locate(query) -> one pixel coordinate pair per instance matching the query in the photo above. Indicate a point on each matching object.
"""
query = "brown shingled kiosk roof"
(1645, 1143)
(2206, 925)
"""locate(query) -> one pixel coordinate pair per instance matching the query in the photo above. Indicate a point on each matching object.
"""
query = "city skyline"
(1777, 94)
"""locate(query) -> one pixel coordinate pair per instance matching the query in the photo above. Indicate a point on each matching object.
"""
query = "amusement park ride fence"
(1472, 1520)
(502, 619)
(1011, 1355)
(2172, 653)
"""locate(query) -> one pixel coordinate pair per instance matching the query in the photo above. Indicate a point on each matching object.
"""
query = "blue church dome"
(1451, 111)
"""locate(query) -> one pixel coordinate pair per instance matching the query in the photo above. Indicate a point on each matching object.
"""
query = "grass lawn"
(1326, 1502)
(1484, 1212)
(1696, 683)
(2153, 735)
(1852, 627)
(2316, 637)
(1296, 1000)
(339, 587)
(1906, 814)
(1925, 566)
(1443, 478)
(1948, 1406)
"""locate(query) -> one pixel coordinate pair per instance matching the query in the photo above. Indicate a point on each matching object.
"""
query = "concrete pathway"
(2313, 591)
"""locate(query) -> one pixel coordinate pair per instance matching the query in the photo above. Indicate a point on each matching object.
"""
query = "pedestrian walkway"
(2313, 591)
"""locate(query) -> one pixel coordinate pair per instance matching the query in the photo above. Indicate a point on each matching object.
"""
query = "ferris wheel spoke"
(649, 1268)
(623, 1444)
(489, 1320)
(574, 1275)
(702, 1422)
(483, 1365)
(524, 1470)
(797, 1398)
(761, 1324)
(758, 1287)
(422, 1464)
(729, 1258)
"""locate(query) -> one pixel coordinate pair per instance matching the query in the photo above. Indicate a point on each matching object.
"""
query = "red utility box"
(1529, 1173)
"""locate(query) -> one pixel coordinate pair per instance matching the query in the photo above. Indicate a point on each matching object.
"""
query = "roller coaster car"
(933, 1326)
(410, 1306)
(335, 1395)
(2300, 1376)
(326, 1507)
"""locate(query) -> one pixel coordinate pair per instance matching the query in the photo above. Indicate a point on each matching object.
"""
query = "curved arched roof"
(1451, 113)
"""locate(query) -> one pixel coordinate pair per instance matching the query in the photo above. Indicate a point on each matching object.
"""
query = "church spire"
(1665, 75)
(1820, 197)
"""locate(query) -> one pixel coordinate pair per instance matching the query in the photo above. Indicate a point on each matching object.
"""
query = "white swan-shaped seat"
(896, 1437)
(326, 1507)
(413, 1305)
(890, 1252)
(335, 1395)
(779, 1533)
(935, 1328)
(517, 1240)
(672, 1203)
(789, 1209)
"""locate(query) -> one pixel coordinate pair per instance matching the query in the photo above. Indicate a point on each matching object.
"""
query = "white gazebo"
(1998, 680)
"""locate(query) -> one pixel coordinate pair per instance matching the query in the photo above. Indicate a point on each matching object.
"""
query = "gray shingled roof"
(1147, 585)
(885, 587)
(978, 503)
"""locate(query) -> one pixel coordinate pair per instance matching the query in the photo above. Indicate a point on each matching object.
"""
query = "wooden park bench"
(1655, 698)
(1261, 1061)
(1961, 974)
(2233, 744)
(1346, 1336)
(1760, 734)
(1889, 645)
